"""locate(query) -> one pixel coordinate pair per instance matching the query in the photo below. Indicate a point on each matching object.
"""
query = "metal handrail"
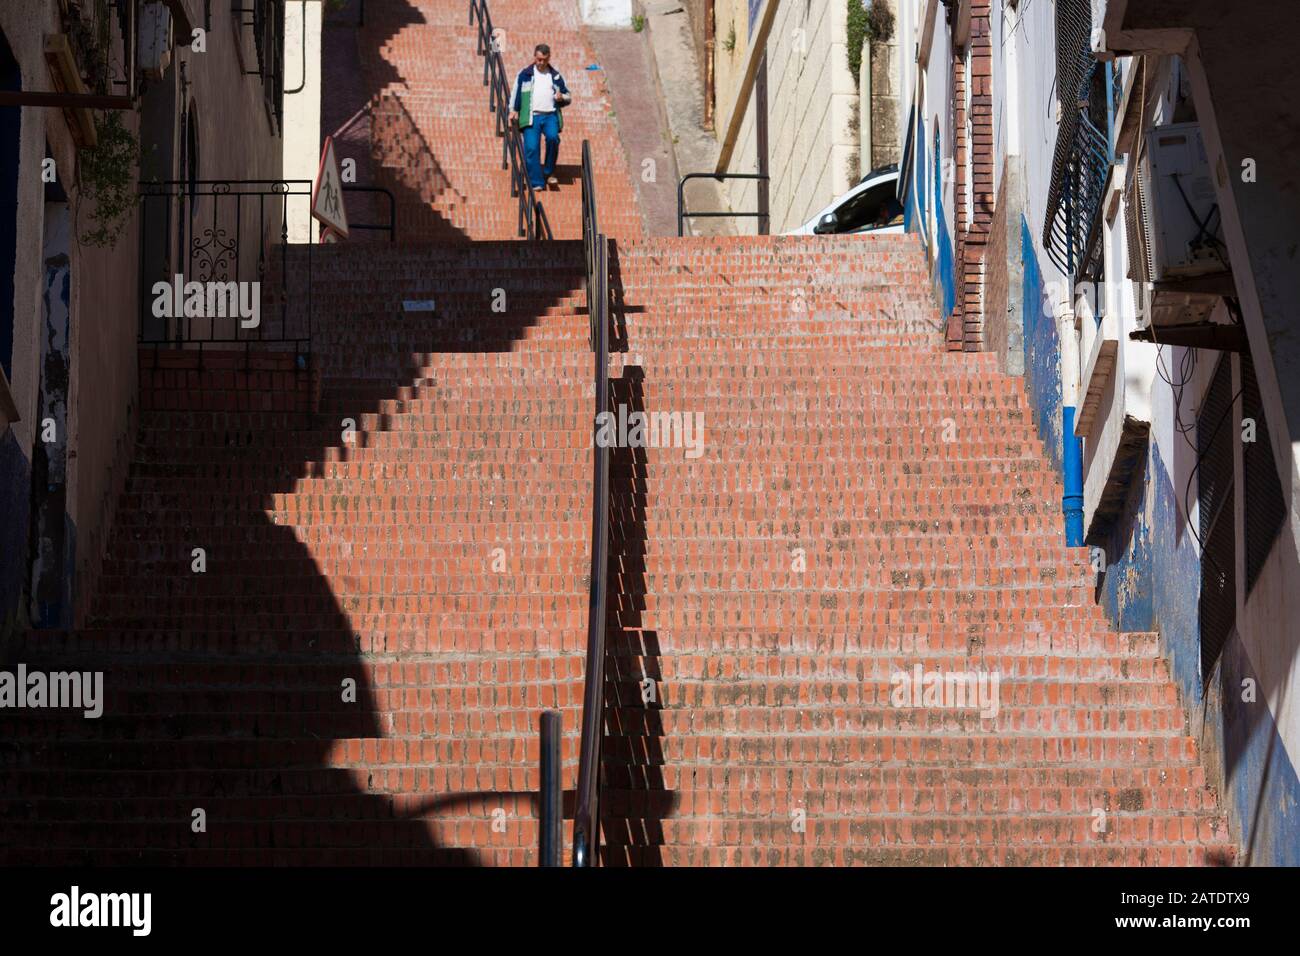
(683, 214)
(533, 223)
(550, 834)
(391, 226)
(586, 817)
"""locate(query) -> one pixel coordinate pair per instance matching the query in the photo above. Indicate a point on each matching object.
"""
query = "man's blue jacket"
(521, 100)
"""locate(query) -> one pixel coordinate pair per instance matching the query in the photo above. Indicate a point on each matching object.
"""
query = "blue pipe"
(1072, 460)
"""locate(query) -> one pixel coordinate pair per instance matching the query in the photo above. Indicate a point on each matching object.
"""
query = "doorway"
(51, 533)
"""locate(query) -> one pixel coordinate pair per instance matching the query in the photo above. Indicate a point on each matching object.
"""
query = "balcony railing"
(1080, 166)
(99, 34)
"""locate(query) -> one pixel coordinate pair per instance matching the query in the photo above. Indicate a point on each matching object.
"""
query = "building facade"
(1085, 179)
(802, 96)
(117, 119)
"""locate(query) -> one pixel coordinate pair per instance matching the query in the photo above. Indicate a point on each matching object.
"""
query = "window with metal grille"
(1137, 227)
(1264, 501)
(1215, 440)
(267, 24)
(1081, 158)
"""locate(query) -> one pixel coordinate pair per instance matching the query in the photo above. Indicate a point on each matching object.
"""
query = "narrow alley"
(896, 529)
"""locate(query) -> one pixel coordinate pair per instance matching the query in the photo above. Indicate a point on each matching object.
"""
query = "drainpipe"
(1072, 450)
(708, 66)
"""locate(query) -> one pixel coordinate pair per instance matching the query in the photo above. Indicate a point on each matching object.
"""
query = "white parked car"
(870, 206)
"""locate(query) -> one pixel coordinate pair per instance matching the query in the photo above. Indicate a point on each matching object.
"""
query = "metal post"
(550, 840)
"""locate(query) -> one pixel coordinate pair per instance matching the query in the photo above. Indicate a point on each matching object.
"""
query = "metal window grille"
(1264, 500)
(1214, 439)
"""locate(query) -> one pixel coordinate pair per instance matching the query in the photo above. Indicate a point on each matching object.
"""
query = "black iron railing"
(225, 235)
(1081, 159)
(1075, 195)
(533, 223)
(389, 227)
(550, 836)
(683, 214)
(586, 818)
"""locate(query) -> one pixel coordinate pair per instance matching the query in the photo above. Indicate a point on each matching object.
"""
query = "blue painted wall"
(1264, 789)
(944, 255)
(1042, 352)
(1152, 583)
(914, 200)
(1129, 591)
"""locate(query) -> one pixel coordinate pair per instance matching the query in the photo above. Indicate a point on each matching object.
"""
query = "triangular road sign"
(327, 199)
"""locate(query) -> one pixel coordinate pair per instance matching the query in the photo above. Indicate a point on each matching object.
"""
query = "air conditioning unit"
(1177, 257)
(1187, 228)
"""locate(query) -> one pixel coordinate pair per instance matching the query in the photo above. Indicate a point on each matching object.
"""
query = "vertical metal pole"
(550, 836)
(681, 186)
(284, 267)
(760, 128)
(1110, 112)
(142, 265)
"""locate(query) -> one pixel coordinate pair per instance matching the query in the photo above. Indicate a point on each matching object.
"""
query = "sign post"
(327, 198)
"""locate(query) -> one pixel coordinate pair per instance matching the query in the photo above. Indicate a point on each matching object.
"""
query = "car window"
(869, 209)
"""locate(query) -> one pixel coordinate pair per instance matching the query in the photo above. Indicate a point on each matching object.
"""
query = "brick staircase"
(429, 115)
(864, 503)
(371, 558)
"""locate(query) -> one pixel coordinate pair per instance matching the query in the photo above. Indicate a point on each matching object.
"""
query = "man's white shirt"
(543, 100)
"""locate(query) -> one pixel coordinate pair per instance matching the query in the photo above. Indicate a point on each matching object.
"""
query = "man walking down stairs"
(537, 109)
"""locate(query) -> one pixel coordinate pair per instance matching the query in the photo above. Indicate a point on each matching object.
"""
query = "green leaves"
(867, 20)
(106, 177)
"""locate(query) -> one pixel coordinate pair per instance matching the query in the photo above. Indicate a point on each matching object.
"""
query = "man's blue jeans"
(544, 124)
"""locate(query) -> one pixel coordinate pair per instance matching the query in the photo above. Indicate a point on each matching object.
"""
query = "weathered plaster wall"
(236, 140)
(812, 145)
(1003, 275)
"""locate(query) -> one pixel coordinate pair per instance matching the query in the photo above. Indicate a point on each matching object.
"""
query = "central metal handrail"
(586, 817)
(683, 214)
(389, 227)
(533, 223)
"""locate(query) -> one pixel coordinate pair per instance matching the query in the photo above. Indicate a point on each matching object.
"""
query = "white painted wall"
(606, 13)
(811, 96)
(811, 99)
(1034, 111)
(938, 114)
(302, 110)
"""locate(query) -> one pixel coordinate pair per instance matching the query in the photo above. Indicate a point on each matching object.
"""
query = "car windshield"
(870, 209)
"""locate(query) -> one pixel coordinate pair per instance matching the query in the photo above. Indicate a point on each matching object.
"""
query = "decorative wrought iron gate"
(225, 235)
